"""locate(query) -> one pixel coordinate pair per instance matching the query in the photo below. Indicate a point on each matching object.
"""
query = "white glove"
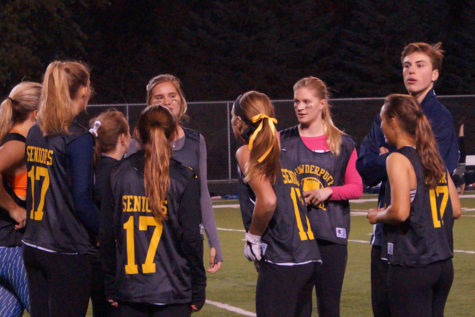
(252, 248)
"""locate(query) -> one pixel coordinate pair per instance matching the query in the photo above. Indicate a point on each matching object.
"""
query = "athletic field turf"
(230, 292)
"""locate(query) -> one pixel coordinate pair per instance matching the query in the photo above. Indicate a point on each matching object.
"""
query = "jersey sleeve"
(107, 247)
(189, 217)
(370, 164)
(353, 187)
(209, 222)
(80, 153)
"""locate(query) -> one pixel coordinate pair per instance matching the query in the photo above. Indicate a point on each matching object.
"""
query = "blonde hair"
(254, 103)
(319, 90)
(156, 127)
(61, 83)
(112, 124)
(168, 78)
(22, 100)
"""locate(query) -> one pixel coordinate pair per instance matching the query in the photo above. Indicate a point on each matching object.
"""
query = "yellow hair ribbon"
(271, 121)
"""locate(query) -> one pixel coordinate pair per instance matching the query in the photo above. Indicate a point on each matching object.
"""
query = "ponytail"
(156, 128)
(265, 150)
(157, 171)
(428, 152)
(61, 83)
(412, 120)
(22, 100)
(106, 129)
(6, 114)
(331, 131)
(257, 111)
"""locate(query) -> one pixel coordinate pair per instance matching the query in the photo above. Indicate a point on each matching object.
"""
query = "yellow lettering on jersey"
(134, 203)
(289, 177)
(443, 180)
(311, 169)
(39, 155)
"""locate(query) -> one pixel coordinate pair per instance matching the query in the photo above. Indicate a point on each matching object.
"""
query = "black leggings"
(59, 283)
(420, 291)
(379, 278)
(285, 291)
(330, 278)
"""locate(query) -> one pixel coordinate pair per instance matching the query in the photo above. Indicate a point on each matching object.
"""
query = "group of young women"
(295, 250)
(127, 232)
(142, 253)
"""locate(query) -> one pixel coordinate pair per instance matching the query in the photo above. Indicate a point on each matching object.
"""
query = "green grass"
(235, 283)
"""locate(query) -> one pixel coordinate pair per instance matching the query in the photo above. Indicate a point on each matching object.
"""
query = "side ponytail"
(156, 127)
(157, 170)
(428, 152)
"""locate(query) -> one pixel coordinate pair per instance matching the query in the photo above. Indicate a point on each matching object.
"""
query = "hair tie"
(97, 124)
(11, 99)
(270, 121)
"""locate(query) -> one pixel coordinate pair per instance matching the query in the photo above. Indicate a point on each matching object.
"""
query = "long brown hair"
(253, 104)
(22, 100)
(156, 128)
(320, 90)
(61, 83)
(412, 120)
(106, 129)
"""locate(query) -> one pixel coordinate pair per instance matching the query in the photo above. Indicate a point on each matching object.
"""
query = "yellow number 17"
(433, 193)
(34, 174)
(144, 222)
(296, 198)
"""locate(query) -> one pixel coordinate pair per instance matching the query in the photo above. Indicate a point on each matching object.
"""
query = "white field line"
(356, 241)
(230, 308)
(353, 201)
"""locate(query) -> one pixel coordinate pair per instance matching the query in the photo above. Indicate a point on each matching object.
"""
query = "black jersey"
(189, 154)
(426, 236)
(288, 238)
(52, 223)
(157, 262)
(102, 173)
(9, 237)
(330, 220)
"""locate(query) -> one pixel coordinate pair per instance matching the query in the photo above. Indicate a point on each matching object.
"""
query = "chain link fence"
(352, 115)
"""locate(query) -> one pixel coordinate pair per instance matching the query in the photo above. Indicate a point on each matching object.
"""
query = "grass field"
(233, 286)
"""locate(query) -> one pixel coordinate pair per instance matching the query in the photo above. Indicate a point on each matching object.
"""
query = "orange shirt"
(18, 182)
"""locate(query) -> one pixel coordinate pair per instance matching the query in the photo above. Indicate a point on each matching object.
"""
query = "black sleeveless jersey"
(426, 236)
(330, 220)
(157, 262)
(189, 154)
(9, 237)
(51, 220)
(288, 238)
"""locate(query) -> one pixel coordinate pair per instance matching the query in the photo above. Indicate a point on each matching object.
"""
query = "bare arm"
(402, 178)
(265, 196)
(454, 199)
